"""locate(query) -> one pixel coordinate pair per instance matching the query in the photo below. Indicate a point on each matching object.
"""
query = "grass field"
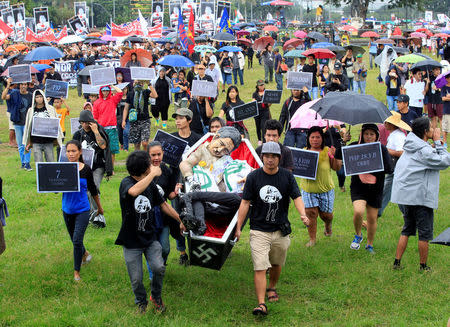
(328, 285)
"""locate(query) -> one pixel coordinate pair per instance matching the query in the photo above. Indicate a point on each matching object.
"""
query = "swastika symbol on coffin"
(204, 253)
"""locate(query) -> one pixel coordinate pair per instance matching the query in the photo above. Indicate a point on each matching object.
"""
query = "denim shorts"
(418, 218)
(324, 201)
(227, 78)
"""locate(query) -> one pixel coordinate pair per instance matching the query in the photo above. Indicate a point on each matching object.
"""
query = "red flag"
(46, 36)
(62, 33)
(191, 32)
(5, 30)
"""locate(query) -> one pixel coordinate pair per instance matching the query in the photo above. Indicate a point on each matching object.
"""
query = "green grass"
(328, 285)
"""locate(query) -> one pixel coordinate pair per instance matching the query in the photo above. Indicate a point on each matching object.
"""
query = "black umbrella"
(317, 36)
(427, 64)
(223, 37)
(443, 238)
(9, 62)
(134, 39)
(401, 50)
(201, 38)
(356, 49)
(86, 70)
(352, 108)
(423, 55)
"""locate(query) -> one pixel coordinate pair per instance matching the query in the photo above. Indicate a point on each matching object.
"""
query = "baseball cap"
(337, 65)
(271, 147)
(212, 60)
(359, 55)
(86, 116)
(106, 88)
(185, 112)
(260, 82)
(403, 98)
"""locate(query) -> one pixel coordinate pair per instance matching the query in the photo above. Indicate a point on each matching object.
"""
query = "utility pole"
(92, 14)
(114, 9)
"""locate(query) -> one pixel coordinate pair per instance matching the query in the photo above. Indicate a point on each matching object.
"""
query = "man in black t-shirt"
(268, 189)
(139, 196)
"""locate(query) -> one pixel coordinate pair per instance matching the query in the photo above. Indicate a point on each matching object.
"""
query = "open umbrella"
(351, 108)
(292, 43)
(143, 56)
(86, 70)
(10, 60)
(441, 80)
(441, 35)
(223, 37)
(384, 41)
(201, 38)
(401, 50)
(230, 48)
(317, 36)
(300, 34)
(349, 28)
(320, 53)
(261, 43)
(305, 117)
(270, 28)
(108, 38)
(32, 69)
(427, 64)
(281, 3)
(204, 48)
(40, 67)
(370, 34)
(418, 35)
(322, 45)
(44, 53)
(410, 59)
(247, 42)
(175, 61)
(71, 39)
(16, 47)
(336, 49)
(398, 37)
(294, 54)
(443, 238)
(356, 49)
(242, 33)
(134, 39)
(97, 42)
(423, 55)
(94, 34)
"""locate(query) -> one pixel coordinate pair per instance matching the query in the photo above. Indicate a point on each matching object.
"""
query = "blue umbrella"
(175, 61)
(40, 67)
(321, 45)
(230, 48)
(44, 53)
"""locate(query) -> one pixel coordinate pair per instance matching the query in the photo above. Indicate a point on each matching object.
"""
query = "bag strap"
(200, 115)
(289, 112)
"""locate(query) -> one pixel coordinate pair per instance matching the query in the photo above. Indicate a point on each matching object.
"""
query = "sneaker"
(86, 260)
(164, 126)
(159, 305)
(23, 166)
(425, 268)
(142, 307)
(397, 267)
(28, 167)
(369, 248)
(356, 242)
(156, 122)
(184, 260)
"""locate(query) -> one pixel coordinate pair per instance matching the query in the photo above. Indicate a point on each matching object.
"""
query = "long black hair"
(313, 130)
(228, 100)
(78, 145)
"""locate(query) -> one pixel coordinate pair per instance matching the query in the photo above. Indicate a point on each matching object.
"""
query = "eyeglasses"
(201, 68)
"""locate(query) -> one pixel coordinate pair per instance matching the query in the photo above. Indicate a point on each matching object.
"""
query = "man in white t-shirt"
(415, 89)
(395, 142)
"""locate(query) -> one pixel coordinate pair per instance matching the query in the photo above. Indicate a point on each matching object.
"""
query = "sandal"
(260, 310)
(274, 297)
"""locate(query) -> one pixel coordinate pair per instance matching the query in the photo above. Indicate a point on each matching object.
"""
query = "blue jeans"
(123, 134)
(76, 226)
(350, 83)
(180, 239)
(359, 86)
(239, 72)
(392, 103)
(24, 156)
(165, 248)
(314, 93)
(279, 81)
(387, 191)
(295, 139)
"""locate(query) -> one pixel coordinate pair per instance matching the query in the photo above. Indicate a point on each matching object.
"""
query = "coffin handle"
(233, 241)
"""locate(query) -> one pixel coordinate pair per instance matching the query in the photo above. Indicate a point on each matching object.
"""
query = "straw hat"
(396, 120)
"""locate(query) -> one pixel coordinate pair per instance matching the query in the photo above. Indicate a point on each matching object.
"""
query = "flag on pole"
(182, 32)
(191, 32)
(224, 24)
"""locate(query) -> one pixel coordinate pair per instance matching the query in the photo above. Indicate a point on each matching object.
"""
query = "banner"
(8, 18)
(77, 26)
(5, 30)
(18, 11)
(62, 33)
(186, 8)
(174, 9)
(46, 36)
(155, 32)
(157, 12)
(68, 73)
(207, 15)
(41, 19)
(134, 28)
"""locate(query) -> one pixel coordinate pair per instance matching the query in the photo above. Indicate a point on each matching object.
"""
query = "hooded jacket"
(416, 176)
(104, 110)
(29, 118)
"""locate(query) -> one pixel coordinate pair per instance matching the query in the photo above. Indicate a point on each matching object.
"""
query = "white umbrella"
(71, 39)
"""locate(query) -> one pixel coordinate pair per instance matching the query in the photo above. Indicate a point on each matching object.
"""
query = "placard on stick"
(56, 89)
(245, 111)
(297, 80)
(272, 96)
(20, 73)
(173, 147)
(88, 156)
(103, 76)
(74, 125)
(142, 73)
(204, 89)
(305, 163)
(57, 177)
(45, 127)
(362, 158)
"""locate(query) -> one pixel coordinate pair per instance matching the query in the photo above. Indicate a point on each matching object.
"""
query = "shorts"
(446, 123)
(324, 201)
(113, 140)
(372, 194)
(11, 125)
(420, 218)
(226, 78)
(139, 131)
(435, 110)
(268, 248)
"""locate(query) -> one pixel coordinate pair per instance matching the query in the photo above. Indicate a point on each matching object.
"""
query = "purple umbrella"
(97, 42)
(441, 80)
(108, 38)
(126, 72)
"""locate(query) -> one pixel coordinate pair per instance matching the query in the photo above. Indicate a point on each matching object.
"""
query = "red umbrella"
(349, 28)
(143, 56)
(261, 43)
(270, 28)
(320, 53)
(398, 37)
(397, 31)
(385, 41)
(244, 41)
(281, 3)
(418, 35)
(300, 34)
(441, 35)
(424, 30)
(242, 33)
(292, 43)
(370, 34)
(32, 69)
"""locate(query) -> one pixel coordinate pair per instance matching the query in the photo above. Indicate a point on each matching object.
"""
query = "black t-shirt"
(166, 184)
(433, 98)
(286, 162)
(199, 110)
(227, 108)
(141, 114)
(55, 76)
(192, 139)
(311, 69)
(138, 215)
(41, 112)
(225, 66)
(270, 195)
(409, 117)
(88, 141)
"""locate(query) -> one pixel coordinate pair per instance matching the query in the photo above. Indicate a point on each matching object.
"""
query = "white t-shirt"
(414, 91)
(396, 140)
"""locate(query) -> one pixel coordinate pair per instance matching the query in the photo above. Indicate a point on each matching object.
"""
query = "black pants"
(203, 203)
(160, 109)
(260, 121)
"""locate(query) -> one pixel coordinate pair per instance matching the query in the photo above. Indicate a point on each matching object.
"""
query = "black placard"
(56, 89)
(297, 80)
(305, 163)
(57, 177)
(362, 158)
(88, 156)
(45, 127)
(204, 89)
(20, 73)
(173, 147)
(272, 96)
(245, 111)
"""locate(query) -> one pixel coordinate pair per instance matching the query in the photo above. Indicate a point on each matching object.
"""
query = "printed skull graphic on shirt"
(143, 207)
(270, 194)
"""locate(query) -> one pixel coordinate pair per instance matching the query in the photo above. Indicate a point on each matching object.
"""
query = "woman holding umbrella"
(366, 191)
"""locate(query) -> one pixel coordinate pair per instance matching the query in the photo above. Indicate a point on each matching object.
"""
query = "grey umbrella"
(85, 71)
(317, 36)
(427, 64)
(336, 48)
(443, 238)
(223, 37)
(356, 49)
(352, 108)
(401, 50)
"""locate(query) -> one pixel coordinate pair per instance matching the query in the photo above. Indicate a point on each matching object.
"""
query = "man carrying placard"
(51, 74)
